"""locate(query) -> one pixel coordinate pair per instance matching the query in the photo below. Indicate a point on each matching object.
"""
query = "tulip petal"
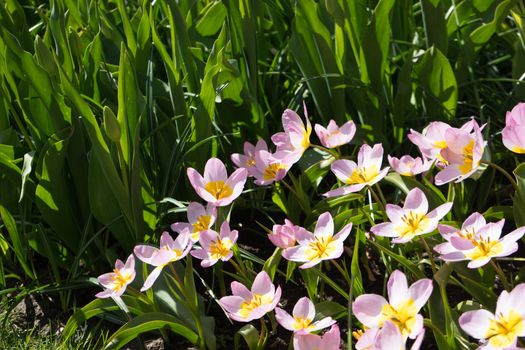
(476, 323)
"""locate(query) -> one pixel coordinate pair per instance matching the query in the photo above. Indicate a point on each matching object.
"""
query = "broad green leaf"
(437, 82)
(148, 322)
(16, 240)
(212, 20)
(250, 336)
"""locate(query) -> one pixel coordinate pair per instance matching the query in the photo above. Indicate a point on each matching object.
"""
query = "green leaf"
(330, 309)
(148, 322)
(519, 197)
(272, 263)
(212, 20)
(437, 82)
(250, 336)
(16, 239)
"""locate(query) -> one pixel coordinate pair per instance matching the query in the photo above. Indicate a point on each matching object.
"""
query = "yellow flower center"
(440, 144)
(504, 329)
(202, 223)
(362, 175)
(218, 189)
(270, 172)
(306, 138)
(257, 300)
(414, 223)
(321, 247)
(484, 248)
(301, 323)
(517, 149)
(120, 280)
(468, 156)
(250, 162)
(358, 334)
(403, 316)
(220, 248)
(467, 234)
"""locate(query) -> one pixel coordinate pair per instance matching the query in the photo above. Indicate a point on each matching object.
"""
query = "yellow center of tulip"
(120, 280)
(505, 329)
(250, 162)
(220, 248)
(468, 155)
(301, 323)
(202, 223)
(517, 149)
(441, 145)
(270, 172)
(362, 175)
(467, 234)
(218, 189)
(306, 139)
(484, 248)
(257, 300)
(403, 315)
(414, 223)
(321, 247)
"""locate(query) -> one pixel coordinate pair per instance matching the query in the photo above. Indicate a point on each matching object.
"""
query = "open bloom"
(514, 130)
(283, 236)
(483, 245)
(431, 141)
(502, 329)
(269, 169)
(334, 136)
(409, 166)
(216, 246)
(367, 171)
(169, 251)
(331, 340)
(295, 139)
(116, 282)
(401, 309)
(216, 187)
(302, 320)
(386, 338)
(451, 249)
(247, 160)
(462, 154)
(245, 305)
(411, 220)
(199, 219)
(320, 245)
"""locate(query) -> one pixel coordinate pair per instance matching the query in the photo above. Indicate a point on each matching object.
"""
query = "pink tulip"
(245, 305)
(169, 251)
(269, 169)
(462, 154)
(331, 340)
(247, 160)
(199, 219)
(302, 321)
(216, 187)
(411, 220)
(431, 141)
(216, 246)
(402, 308)
(516, 116)
(386, 338)
(283, 236)
(116, 282)
(482, 245)
(514, 131)
(320, 245)
(408, 166)
(334, 136)
(502, 329)
(366, 172)
(295, 139)
(451, 249)
(514, 138)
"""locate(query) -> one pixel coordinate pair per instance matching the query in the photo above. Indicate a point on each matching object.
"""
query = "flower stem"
(501, 274)
(378, 200)
(503, 171)
(263, 335)
(342, 271)
(429, 253)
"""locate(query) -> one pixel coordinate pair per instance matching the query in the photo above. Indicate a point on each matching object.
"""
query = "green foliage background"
(103, 104)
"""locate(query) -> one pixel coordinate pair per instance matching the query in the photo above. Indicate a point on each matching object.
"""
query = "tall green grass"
(103, 104)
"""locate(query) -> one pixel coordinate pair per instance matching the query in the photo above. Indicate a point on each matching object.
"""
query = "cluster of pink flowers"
(457, 152)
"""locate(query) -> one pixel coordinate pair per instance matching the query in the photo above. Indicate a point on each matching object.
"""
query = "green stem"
(342, 271)
(429, 253)
(378, 200)
(503, 171)
(333, 153)
(501, 274)
(263, 335)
